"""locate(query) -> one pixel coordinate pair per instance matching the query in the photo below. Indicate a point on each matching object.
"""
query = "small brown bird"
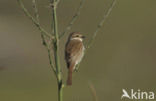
(74, 51)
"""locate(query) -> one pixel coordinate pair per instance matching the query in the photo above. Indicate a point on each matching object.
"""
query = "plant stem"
(60, 91)
(56, 51)
(33, 20)
(101, 24)
(74, 18)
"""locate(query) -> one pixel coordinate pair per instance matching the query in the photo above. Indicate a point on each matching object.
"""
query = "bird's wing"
(73, 47)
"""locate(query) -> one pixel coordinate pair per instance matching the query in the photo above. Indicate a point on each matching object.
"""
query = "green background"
(123, 54)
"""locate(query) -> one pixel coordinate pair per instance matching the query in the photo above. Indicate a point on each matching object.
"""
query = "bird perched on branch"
(74, 51)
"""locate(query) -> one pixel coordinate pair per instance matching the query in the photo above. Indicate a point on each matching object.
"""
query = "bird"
(74, 52)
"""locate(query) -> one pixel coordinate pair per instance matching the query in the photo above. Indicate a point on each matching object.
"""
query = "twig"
(38, 21)
(74, 18)
(93, 91)
(35, 10)
(101, 23)
(50, 61)
(98, 28)
(33, 20)
(42, 36)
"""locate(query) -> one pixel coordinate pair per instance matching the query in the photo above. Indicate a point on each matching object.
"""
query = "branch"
(42, 36)
(93, 91)
(53, 4)
(34, 4)
(33, 20)
(98, 28)
(38, 21)
(50, 61)
(74, 18)
(101, 23)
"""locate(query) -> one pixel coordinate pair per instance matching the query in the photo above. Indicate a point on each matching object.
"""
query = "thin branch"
(43, 38)
(35, 10)
(74, 18)
(98, 28)
(38, 21)
(93, 91)
(50, 61)
(33, 20)
(101, 23)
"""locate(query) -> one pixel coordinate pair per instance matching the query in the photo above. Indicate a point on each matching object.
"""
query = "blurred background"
(122, 56)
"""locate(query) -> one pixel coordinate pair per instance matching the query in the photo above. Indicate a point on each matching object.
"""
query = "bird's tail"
(69, 79)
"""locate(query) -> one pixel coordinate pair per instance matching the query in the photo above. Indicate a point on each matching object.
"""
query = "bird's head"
(76, 36)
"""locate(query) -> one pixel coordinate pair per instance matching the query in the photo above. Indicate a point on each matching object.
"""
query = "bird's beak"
(83, 37)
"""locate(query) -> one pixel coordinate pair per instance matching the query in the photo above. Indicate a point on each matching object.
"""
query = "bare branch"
(101, 23)
(74, 18)
(93, 91)
(98, 28)
(34, 4)
(43, 38)
(33, 20)
(50, 61)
